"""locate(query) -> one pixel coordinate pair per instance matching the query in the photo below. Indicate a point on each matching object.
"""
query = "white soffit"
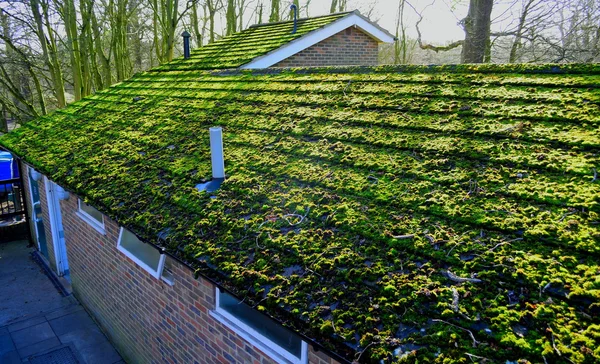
(316, 36)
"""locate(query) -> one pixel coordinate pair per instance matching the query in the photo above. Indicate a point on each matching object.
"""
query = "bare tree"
(48, 42)
(274, 17)
(231, 17)
(167, 16)
(477, 31)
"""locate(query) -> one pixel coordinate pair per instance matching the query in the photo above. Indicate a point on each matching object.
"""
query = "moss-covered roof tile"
(383, 208)
(240, 48)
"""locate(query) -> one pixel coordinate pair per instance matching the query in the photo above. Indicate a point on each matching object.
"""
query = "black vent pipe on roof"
(295, 10)
(186, 44)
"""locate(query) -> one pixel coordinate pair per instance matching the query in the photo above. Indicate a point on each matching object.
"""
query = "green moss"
(489, 169)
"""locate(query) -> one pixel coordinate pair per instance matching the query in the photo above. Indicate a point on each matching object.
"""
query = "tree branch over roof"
(428, 46)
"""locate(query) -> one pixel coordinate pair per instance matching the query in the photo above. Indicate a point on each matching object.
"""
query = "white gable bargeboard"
(314, 37)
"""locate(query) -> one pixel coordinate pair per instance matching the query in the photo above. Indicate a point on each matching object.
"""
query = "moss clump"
(362, 216)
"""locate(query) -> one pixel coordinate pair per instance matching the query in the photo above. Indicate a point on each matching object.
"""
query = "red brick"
(147, 320)
(350, 47)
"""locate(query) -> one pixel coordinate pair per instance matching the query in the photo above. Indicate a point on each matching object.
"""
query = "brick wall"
(148, 320)
(350, 47)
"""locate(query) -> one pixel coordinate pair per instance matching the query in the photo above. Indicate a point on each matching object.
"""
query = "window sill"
(144, 266)
(269, 351)
(168, 280)
(91, 222)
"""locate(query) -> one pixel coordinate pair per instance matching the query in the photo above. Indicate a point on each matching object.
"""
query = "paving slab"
(76, 307)
(26, 290)
(39, 347)
(35, 319)
(23, 324)
(92, 345)
(11, 357)
(32, 335)
(6, 343)
(71, 322)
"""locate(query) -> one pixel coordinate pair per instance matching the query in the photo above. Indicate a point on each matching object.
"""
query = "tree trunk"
(512, 58)
(401, 42)
(274, 17)
(260, 14)
(155, 29)
(87, 8)
(333, 7)
(231, 17)
(118, 18)
(49, 49)
(211, 7)
(21, 89)
(477, 31)
(86, 49)
(68, 14)
(135, 26)
(171, 21)
(241, 6)
(195, 24)
(4, 119)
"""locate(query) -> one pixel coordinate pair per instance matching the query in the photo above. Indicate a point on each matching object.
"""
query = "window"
(92, 216)
(167, 273)
(145, 255)
(261, 331)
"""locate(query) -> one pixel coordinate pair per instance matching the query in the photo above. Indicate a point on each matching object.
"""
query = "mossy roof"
(448, 210)
(240, 48)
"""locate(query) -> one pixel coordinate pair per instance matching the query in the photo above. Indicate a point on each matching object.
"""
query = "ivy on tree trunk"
(274, 17)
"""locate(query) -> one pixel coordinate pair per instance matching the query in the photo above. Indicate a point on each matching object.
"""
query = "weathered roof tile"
(363, 200)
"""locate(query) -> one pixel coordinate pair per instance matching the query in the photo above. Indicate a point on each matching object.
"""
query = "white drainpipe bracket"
(61, 193)
(35, 175)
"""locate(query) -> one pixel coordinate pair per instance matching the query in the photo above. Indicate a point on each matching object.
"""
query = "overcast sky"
(440, 17)
(439, 24)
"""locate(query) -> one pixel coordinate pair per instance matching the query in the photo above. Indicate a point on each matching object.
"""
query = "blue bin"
(8, 170)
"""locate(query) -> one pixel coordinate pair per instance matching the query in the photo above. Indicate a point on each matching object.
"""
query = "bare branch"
(420, 38)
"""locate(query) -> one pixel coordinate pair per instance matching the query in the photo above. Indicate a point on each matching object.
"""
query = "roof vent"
(295, 10)
(218, 162)
(186, 44)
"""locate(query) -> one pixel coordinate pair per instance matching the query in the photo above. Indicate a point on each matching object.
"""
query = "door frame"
(56, 227)
(34, 216)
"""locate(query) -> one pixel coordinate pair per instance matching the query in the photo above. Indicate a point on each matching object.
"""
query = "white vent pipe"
(216, 152)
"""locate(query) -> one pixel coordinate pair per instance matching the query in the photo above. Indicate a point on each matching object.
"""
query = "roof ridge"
(483, 68)
(310, 17)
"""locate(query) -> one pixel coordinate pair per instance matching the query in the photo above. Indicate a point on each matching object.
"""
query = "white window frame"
(90, 220)
(155, 273)
(34, 216)
(267, 346)
(168, 280)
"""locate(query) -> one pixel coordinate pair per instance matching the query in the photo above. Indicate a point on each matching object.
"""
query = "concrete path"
(40, 325)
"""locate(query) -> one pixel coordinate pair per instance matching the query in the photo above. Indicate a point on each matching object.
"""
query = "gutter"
(316, 346)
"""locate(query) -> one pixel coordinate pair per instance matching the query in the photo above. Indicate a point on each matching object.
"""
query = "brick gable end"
(350, 47)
